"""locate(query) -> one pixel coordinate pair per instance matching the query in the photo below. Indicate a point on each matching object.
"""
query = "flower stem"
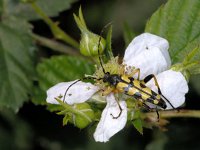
(174, 114)
(57, 32)
(54, 45)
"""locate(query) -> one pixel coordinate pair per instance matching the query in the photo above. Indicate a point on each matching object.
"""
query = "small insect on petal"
(149, 62)
(173, 86)
(143, 42)
(78, 93)
(108, 126)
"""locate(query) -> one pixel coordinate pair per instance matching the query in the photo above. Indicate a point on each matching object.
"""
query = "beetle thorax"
(112, 79)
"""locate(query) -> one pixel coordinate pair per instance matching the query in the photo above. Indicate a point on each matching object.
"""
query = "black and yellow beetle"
(125, 83)
(137, 89)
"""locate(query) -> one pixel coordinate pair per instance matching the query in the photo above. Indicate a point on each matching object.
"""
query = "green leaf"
(108, 51)
(62, 69)
(50, 7)
(1, 7)
(59, 69)
(38, 96)
(178, 21)
(128, 34)
(138, 125)
(192, 61)
(16, 65)
(191, 56)
(137, 122)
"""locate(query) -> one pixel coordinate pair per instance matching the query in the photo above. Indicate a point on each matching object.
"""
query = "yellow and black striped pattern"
(138, 90)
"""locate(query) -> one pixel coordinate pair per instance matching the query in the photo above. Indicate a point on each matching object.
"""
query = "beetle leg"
(148, 78)
(134, 72)
(150, 109)
(120, 108)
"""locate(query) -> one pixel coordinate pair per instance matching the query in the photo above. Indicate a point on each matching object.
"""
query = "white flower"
(108, 126)
(150, 54)
(173, 86)
(78, 93)
(81, 92)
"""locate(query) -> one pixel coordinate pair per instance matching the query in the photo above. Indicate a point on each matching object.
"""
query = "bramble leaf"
(178, 21)
(62, 69)
(16, 65)
(51, 8)
(128, 34)
(108, 50)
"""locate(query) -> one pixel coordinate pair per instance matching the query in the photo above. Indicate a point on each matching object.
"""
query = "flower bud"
(79, 120)
(89, 41)
(89, 44)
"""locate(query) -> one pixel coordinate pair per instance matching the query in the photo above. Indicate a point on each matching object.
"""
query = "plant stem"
(57, 32)
(59, 47)
(54, 45)
(174, 114)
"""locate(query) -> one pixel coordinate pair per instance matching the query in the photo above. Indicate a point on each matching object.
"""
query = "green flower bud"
(89, 41)
(82, 121)
(89, 44)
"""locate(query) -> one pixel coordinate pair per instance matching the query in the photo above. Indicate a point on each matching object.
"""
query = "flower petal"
(108, 126)
(143, 42)
(150, 61)
(172, 85)
(77, 93)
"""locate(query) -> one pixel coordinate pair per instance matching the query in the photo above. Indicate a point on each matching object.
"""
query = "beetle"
(137, 89)
(133, 87)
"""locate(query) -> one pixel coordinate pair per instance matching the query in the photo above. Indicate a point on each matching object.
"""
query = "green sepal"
(54, 107)
(78, 120)
(79, 23)
(137, 122)
(66, 119)
(81, 115)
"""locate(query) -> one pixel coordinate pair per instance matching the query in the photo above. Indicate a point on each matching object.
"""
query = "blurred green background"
(33, 127)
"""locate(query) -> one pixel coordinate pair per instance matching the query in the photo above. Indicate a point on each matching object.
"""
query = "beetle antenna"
(99, 42)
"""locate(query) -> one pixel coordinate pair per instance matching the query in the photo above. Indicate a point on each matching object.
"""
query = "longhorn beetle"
(130, 86)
